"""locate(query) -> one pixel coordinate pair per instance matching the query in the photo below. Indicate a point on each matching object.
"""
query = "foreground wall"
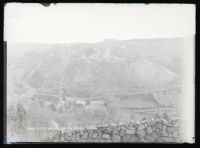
(155, 130)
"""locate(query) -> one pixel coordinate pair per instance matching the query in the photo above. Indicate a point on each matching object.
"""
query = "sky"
(95, 22)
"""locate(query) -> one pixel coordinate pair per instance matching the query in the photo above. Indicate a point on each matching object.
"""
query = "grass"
(37, 125)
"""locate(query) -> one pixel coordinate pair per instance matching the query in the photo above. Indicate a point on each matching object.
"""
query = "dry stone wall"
(145, 131)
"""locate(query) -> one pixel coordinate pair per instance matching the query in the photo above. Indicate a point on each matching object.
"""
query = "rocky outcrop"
(155, 130)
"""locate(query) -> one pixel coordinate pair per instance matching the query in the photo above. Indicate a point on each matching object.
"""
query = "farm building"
(96, 105)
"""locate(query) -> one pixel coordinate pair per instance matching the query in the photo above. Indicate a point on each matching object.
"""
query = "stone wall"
(155, 130)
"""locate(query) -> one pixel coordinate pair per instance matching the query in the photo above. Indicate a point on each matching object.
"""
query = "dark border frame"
(48, 2)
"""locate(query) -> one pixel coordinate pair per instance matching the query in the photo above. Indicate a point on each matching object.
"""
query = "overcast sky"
(95, 22)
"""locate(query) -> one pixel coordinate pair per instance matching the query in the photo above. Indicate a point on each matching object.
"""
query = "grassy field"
(41, 122)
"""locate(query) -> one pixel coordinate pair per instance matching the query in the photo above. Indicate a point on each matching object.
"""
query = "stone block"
(107, 140)
(146, 125)
(141, 139)
(175, 134)
(122, 127)
(78, 137)
(85, 135)
(164, 134)
(170, 129)
(105, 136)
(167, 139)
(149, 130)
(131, 124)
(168, 124)
(111, 126)
(141, 133)
(90, 134)
(122, 132)
(138, 122)
(97, 140)
(62, 138)
(176, 123)
(141, 127)
(94, 135)
(67, 139)
(155, 136)
(82, 140)
(133, 128)
(149, 139)
(163, 129)
(158, 133)
(99, 134)
(90, 140)
(170, 135)
(130, 131)
(133, 138)
(116, 138)
(159, 126)
(108, 131)
(69, 134)
(125, 138)
(115, 131)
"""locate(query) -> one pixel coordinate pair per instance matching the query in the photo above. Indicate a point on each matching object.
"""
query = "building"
(96, 105)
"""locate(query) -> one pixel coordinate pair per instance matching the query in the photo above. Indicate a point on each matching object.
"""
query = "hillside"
(86, 70)
(126, 74)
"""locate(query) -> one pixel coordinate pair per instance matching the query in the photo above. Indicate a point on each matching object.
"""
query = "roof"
(81, 102)
(96, 105)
